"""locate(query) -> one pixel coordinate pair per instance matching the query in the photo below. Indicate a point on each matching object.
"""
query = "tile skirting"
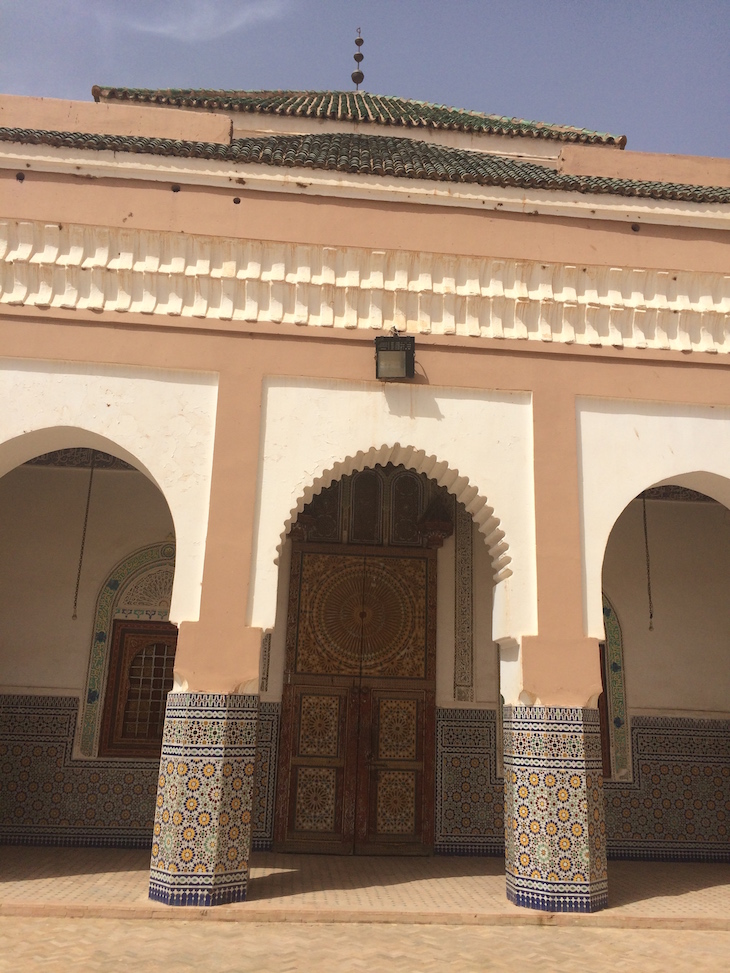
(48, 797)
(469, 794)
(677, 808)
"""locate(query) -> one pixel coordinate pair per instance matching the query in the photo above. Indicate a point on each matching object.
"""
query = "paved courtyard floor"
(86, 909)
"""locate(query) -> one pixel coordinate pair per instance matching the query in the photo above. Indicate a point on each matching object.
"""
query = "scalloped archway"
(417, 459)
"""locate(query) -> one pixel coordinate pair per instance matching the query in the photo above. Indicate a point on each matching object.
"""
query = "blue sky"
(657, 71)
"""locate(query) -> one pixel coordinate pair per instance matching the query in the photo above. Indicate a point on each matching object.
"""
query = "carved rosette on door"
(357, 747)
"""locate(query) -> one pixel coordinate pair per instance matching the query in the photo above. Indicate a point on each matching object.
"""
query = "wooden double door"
(357, 741)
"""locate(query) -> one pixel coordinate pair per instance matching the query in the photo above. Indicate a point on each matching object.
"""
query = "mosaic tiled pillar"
(555, 841)
(202, 831)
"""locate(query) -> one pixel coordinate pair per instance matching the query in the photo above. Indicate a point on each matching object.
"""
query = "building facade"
(479, 610)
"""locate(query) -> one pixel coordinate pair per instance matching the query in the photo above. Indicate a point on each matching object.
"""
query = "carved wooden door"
(357, 744)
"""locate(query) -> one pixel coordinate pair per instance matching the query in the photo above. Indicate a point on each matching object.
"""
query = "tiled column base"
(554, 826)
(202, 832)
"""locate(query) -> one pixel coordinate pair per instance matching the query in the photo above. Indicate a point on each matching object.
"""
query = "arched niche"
(138, 587)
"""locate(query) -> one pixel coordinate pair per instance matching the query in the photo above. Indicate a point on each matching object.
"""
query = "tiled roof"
(355, 106)
(374, 155)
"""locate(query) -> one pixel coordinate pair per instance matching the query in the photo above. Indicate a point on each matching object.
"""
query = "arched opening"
(383, 668)
(85, 656)
(666, 573)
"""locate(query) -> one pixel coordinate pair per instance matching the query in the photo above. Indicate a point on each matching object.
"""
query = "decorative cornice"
(214, 279)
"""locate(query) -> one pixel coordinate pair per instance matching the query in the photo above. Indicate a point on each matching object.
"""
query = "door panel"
(317, 806)
(395, 771)
(356, 767)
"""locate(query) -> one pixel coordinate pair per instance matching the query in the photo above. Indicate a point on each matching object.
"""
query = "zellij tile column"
(555, 835)
(202, 831)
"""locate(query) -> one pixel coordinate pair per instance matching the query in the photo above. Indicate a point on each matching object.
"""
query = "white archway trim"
(308, 433)
(626, 447)
(161, 421)
(416, 459)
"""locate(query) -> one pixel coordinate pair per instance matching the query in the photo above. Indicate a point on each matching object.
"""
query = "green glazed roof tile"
(375, 155)
(354, 106)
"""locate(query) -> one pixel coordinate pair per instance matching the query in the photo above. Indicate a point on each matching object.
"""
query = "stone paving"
(86, 909)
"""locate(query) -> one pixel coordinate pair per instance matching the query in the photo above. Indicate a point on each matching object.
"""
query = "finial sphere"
(357, 76)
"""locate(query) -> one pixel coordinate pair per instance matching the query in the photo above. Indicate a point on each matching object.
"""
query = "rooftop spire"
(357, 76)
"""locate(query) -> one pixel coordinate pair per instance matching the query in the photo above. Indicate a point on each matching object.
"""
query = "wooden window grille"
(140, 677)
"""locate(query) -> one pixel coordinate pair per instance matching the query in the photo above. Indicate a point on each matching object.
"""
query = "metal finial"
(357, 76)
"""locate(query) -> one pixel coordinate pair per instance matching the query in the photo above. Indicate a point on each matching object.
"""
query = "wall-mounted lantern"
(395, 357)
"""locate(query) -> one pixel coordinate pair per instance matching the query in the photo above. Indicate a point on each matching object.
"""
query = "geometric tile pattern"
(678, 806)
(469, 794)
(264, 792)
(319, 726)
(47, 797)
(397, 739)
(202, 829)
(315, 800)
(396, 802)
(555, 841)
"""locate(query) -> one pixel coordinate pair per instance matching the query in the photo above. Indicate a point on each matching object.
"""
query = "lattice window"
(406, 508)
(367, 508)
(140, 677)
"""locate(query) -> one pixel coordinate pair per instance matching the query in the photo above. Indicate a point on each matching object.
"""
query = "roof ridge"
(373, 108)
(379, 155)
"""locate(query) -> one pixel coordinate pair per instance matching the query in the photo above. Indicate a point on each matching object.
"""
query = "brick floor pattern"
(108, 945)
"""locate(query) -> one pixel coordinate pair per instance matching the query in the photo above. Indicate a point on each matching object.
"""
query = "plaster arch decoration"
(138, 587)
(308, 432)
(417, 460)
(627, 447)
(161, 421)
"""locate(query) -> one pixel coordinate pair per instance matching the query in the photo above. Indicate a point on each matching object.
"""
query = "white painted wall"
(41, 519)
(483, 437)
(160, 421)
(683, 665)
(625, 447)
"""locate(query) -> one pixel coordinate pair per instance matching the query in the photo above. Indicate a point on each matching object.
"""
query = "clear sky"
(657, 71)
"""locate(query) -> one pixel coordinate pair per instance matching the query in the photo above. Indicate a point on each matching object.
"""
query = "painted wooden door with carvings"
(357, 744)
